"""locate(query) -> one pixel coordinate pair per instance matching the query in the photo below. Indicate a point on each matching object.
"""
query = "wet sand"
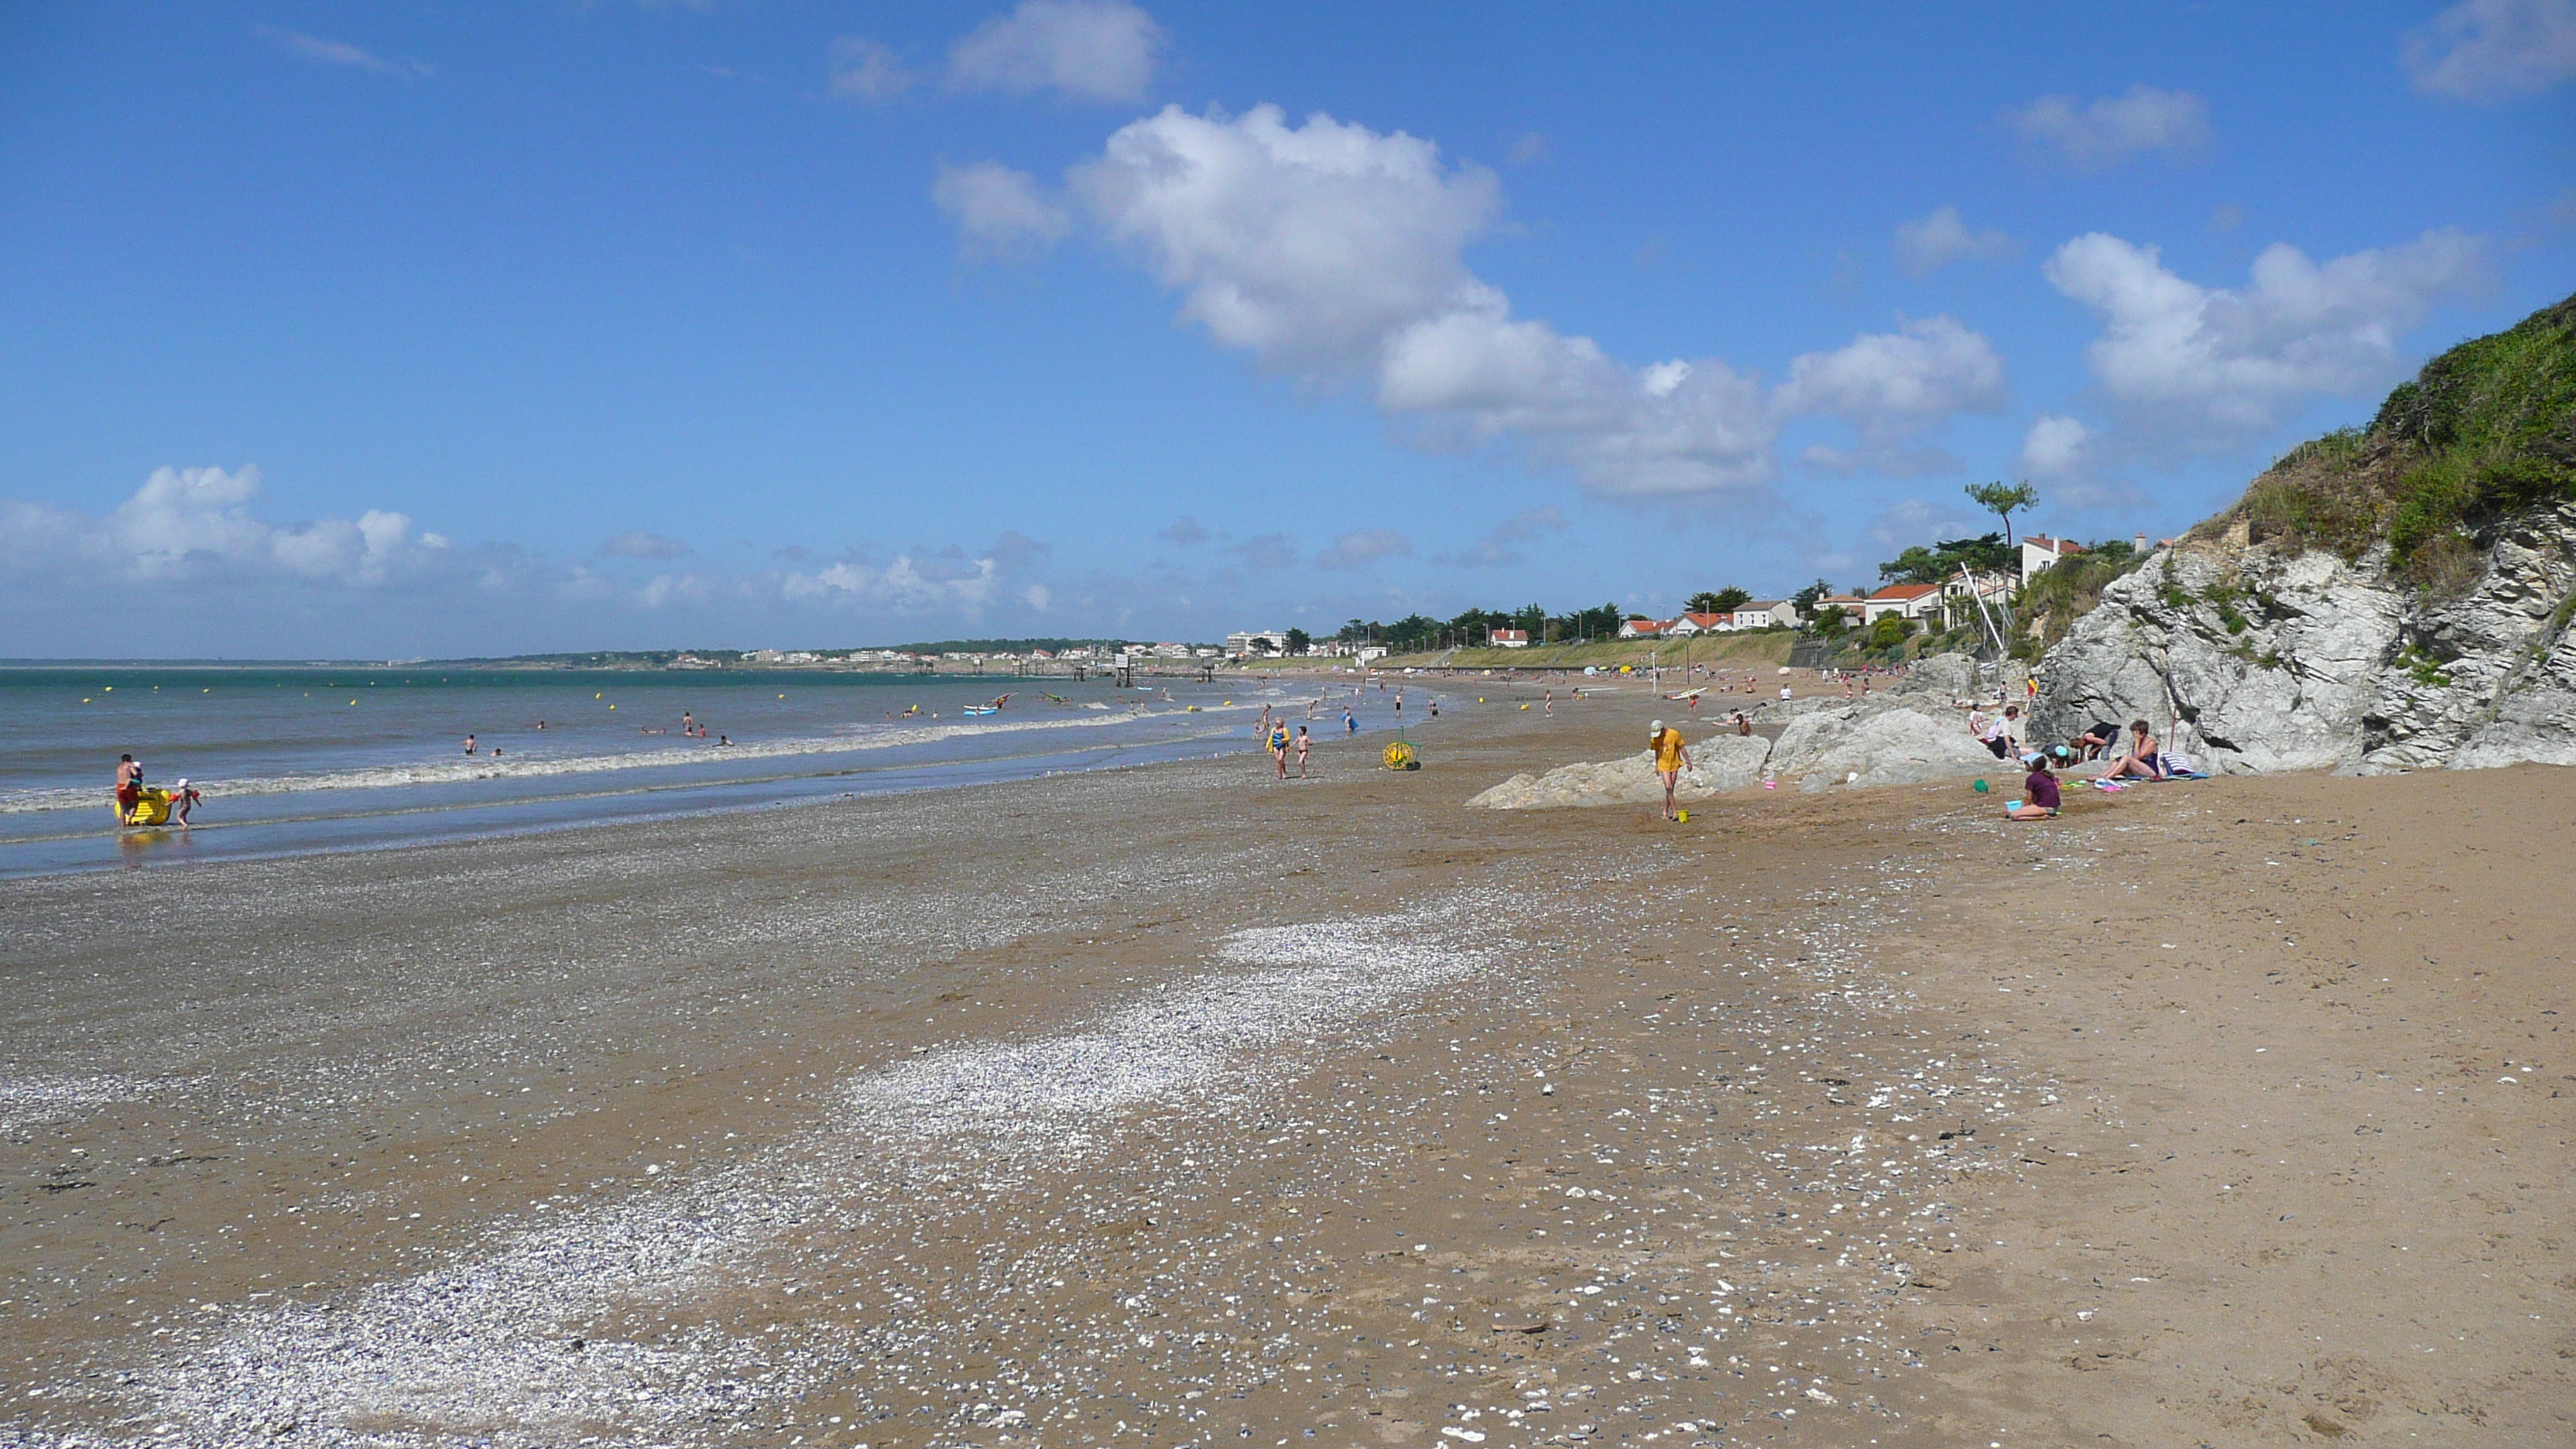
(1179, 1105)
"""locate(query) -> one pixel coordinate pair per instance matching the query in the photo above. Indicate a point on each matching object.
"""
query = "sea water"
(315, 757)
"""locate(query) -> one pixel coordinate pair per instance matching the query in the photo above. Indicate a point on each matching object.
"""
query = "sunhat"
(1656, 728)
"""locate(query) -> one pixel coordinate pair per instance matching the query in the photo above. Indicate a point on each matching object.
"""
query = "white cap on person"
(1656, 728)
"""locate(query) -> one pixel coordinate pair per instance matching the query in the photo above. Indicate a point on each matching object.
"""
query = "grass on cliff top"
(2485, 430)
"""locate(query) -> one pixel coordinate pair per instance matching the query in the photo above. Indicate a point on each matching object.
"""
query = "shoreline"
(1637, 1060)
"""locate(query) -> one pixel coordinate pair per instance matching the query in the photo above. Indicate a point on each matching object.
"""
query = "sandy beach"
(1179, 1105)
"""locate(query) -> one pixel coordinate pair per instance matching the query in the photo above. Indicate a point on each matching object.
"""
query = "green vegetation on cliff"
(2486, 429)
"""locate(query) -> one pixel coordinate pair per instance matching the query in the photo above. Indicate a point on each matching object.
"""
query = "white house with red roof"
(1911, 601)
(2039, 551)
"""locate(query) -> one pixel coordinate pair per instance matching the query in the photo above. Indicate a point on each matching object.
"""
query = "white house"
(1641, 629)
(1763, 616)
(1911, 601)
(1507, 638)
(2039, 551)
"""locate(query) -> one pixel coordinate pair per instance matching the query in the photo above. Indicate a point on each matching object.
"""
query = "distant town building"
(1243, 642)
(1507, 638)
(1851, 605)
(1641, 629)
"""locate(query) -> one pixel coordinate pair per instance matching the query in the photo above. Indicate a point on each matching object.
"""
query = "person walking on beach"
(1550, 707)
(1279, 747)
(1305, 742)
(1671, 758)
(183, 798)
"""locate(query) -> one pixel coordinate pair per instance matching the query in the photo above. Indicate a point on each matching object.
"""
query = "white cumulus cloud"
(1000, 213)
(1335, 253)
(2054, 446)
(1926, 245)
(1892, 387)
(1092, 50)
(637, 543)
(189, 524)
(2107, 130)
(2492, 50)
(867, 70)
(905, 584)
(1361, 547)
(2211, 364)
(1930, 369)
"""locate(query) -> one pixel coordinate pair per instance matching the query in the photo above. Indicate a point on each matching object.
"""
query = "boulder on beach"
(1872, 744)
(1722, 763)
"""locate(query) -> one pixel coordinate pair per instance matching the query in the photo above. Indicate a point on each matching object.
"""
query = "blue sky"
(426, 329)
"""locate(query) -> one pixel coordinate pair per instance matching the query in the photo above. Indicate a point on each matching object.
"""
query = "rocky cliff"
(2393, 598)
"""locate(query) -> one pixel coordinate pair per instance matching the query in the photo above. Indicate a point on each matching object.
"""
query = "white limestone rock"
(1723, 763)
(2260, 658)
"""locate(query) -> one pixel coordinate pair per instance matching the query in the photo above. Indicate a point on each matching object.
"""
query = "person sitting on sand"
(2142, 761)
(1671, 758)
(2039, 799)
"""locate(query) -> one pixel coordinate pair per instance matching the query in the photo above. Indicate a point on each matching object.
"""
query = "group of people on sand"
(2142, 758)
(184, 798)
(1280, 744)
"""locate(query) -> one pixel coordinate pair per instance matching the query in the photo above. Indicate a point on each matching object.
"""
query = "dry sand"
(1182, 1106)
